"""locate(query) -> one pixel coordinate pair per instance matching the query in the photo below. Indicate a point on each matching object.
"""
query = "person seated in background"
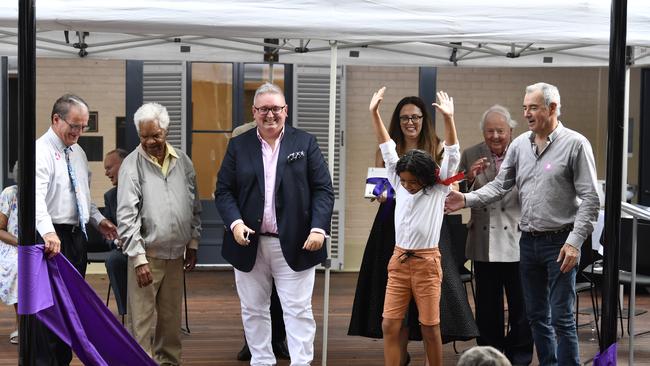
(116, 262)
(483, 356)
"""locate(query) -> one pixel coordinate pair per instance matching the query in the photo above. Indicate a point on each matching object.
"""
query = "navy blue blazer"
(304, 198)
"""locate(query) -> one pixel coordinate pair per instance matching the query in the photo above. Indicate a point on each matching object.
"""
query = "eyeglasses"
(80, 128)
(265, 110)
(415, 118)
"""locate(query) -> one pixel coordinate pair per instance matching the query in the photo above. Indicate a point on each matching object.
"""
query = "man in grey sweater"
(554, 170)
(159, 224)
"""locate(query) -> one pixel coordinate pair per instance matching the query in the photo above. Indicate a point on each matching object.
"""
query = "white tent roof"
(385, 32)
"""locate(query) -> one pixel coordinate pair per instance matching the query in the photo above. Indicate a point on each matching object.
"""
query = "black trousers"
(491, 280)
(50, 350)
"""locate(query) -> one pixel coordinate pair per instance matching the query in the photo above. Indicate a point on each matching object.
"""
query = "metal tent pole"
(330, 162)
(615, 113)
(26, 156)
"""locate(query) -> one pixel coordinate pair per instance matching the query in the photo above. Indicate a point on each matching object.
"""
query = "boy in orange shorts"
(414, 269)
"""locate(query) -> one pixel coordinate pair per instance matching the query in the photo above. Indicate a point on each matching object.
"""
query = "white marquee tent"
(387, 32)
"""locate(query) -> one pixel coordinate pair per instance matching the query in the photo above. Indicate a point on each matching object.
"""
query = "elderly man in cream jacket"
(493, 244)
(159, 225)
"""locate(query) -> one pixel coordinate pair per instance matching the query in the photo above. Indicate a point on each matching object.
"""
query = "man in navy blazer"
(274, 194)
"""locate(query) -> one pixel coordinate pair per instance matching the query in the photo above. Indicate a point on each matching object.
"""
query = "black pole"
(615, 115)
(26, 154)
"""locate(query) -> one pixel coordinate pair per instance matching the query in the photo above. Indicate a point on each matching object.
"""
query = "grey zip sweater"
(158, 215)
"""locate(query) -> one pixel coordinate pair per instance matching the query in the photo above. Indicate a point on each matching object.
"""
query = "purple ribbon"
(381, 185)
(63, 301)
(607, 358)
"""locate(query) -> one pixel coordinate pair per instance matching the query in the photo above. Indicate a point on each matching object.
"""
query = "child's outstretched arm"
(380, 129)
(446, 106)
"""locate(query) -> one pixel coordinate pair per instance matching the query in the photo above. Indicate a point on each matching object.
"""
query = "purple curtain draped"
(56, 293)
(607, 358)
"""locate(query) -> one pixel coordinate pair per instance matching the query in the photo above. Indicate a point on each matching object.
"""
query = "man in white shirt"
(63, 206)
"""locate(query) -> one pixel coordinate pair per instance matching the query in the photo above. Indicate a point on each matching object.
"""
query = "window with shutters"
(164, 83)
(311, 111)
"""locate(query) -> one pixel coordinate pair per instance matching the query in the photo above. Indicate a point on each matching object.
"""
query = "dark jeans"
(50, 349)
(492, 278)
(550, 297)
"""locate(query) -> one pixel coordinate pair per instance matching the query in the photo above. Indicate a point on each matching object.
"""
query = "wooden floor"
(216, 332)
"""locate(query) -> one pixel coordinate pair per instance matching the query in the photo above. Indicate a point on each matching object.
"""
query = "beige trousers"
(158, 305)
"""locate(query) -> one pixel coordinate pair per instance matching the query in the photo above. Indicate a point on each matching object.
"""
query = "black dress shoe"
(244, 354)
(280, 350)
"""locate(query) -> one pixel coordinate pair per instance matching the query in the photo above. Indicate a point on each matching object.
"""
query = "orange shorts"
(417, 273)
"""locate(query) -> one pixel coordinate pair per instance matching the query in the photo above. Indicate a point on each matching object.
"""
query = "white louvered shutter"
(164, 83)
(311, 113)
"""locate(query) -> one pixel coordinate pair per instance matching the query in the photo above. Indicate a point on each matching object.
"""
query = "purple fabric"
(381, 184)
(67, 305)
(607, 358)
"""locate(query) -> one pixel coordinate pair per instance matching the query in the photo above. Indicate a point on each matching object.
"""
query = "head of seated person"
(483, 356)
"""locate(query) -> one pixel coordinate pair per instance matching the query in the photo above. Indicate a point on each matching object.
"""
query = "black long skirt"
(456, 318)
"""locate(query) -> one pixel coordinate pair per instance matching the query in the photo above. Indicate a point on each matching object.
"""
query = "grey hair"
(267, 88)
(151, 112)
(500, 110)
(550, 92)
(483, 356)
(62, 105)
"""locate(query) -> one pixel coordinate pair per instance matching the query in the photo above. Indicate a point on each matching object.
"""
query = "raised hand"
(477, 168)
(445, 104)
(377, 97)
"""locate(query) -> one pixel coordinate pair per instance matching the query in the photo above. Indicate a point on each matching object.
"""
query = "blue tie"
(75, 189)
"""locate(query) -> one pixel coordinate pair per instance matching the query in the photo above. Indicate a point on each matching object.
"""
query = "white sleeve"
(44, 175)
(389, 153)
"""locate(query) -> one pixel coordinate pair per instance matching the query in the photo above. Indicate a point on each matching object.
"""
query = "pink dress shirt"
(270, 159)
